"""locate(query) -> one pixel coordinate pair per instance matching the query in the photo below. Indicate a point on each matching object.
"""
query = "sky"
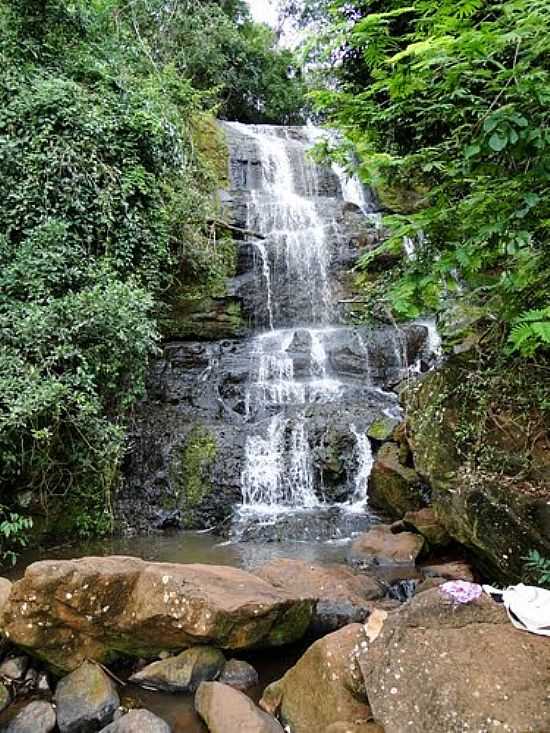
(264, 11)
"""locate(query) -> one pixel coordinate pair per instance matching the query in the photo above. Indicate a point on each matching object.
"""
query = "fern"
(530, 332)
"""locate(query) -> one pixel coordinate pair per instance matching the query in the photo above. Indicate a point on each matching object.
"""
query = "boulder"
(342, 595)
(426, 523)
(182, 673)
(5, 590)
(445, 667)
(96, 608)
(324, 687)
(499, 518)
(138, 721)
(36, 717)
(393, 487)
(380, 546)
(454, 570)
(354, 728)
(14, 668)
(226, 710)
(239, 674)
(86, 700)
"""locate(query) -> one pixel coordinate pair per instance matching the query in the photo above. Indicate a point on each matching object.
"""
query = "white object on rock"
(528, 607)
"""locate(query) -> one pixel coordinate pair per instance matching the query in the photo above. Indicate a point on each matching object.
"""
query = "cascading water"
(300, 353)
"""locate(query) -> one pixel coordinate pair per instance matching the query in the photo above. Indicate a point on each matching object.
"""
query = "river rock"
(5, 590)
(138, 721)
(325, 686)
(454, 570)
(380, 546)
(226, 710)
(71, 610)
(36, 717)
(14, 668)
(445, 667)
(86, 700)
(393, 487)
(354, 728)
(342, 595)
(425, 523)
(239, 674)
(182, 673)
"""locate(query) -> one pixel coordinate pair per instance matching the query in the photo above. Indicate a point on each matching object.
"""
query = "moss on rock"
(191, 480)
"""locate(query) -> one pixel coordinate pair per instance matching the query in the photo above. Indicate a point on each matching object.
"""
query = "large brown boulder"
(226, 710)
(96, 608)
(394, 487)
(445, 667)
(381, 547)
(324, 687)
(426, 523)
(342, 595)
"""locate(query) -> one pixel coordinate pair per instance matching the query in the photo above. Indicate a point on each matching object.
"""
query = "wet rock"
(342, 595)
(239, 674)
(86, 700)
(182, 673)
(379, 546)
(425, 523)
(138, 721)
(392, 486)
(382, 428)
(5, 697)
(456, 570)
(226, 710)
(446, 667)
(143, 608)
(36, 717)
(324, 687)
(14, 668)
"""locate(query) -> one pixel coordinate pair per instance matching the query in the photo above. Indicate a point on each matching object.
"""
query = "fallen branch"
(233, 228)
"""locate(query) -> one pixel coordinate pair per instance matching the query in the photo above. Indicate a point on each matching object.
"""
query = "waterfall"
(301, 359)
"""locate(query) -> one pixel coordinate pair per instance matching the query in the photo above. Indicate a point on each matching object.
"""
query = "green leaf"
(498, 141)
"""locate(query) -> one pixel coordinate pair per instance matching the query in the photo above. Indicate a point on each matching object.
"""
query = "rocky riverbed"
(122, 645)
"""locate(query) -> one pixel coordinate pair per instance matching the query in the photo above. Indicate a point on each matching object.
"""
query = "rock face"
(379, 546)
(5, 697)
(325, 686)
(36, 717)
(138, 721)
(497, 518)
(182, 673)
(86, 700)
(96, 608)
(14, 668)
(455, 570)
(394, 487)
(445, 667)
(426, 523)
(225, 710)
(342, 595)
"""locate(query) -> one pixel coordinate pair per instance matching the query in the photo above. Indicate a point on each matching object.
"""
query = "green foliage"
(13, 531)
(451, 99)
(530, 332)
(539, 567)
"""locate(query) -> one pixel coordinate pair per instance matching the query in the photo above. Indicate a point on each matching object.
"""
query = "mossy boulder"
(394, 487)
(202, 316)
(426, 523)
(382, 428)
(498, 517)
(401, 199)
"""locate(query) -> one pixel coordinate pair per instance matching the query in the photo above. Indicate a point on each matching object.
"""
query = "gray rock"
(14, 668)
(239, 674)
(36, 717)
(86, 700)
(5, 697)
(225, 710)
(182, 673)
(138, 721)
(43, 682)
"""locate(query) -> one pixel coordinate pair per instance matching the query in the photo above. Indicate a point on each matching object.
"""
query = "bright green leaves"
(504, 128)
(530, 332)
